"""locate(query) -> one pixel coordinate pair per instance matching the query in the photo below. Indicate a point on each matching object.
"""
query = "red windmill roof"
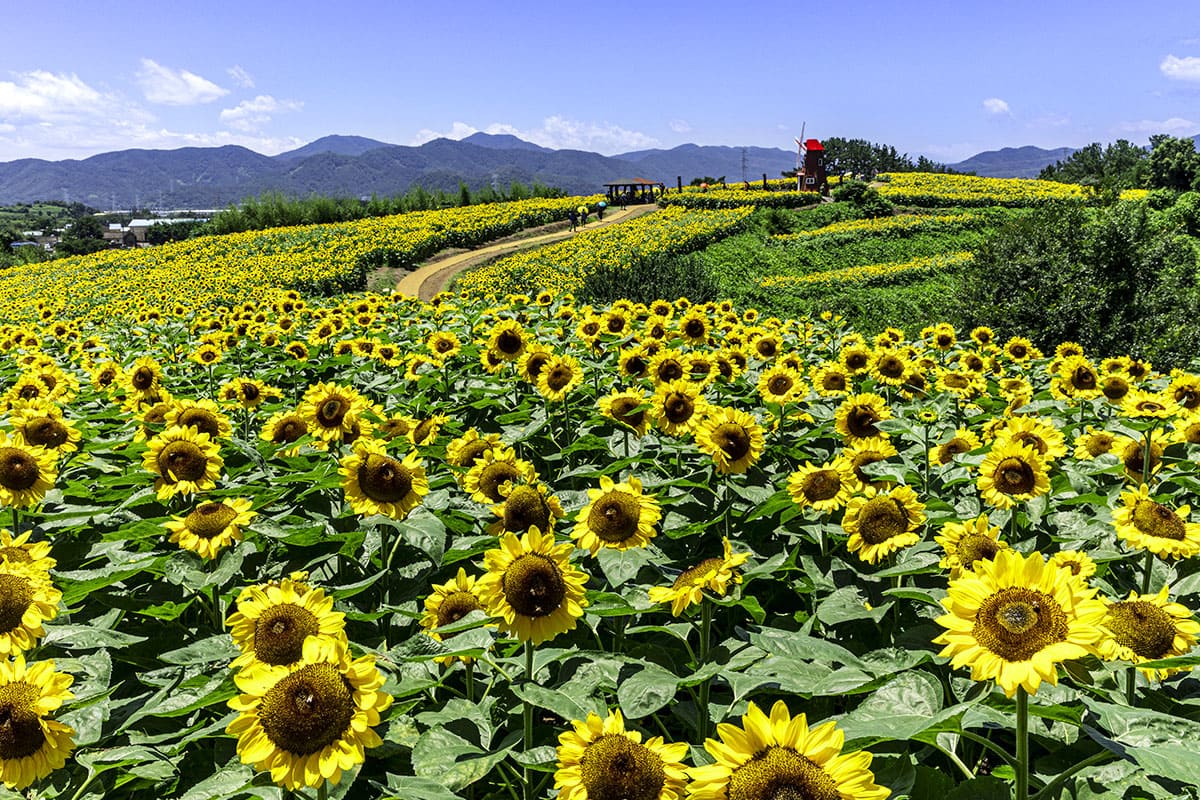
(812, 144)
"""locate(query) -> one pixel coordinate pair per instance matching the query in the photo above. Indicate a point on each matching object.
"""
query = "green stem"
(16, 531)
(1053, 786)
(323, 790)
(1022, 765)
(706, 615)
(218, 617)
(527, 718)
(1147, 569)
(950, 754)
(1130, 685)
(989, 745)
(470, 668)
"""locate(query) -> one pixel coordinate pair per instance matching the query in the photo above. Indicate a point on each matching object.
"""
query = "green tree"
(1122, 165)
(85, 235)
(1174, 163)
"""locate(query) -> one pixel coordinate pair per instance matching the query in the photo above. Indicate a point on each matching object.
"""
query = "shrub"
(648, 278)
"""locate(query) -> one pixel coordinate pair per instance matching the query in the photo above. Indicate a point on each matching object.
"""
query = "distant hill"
(338, 145)
(357, 166)
(1013, 162)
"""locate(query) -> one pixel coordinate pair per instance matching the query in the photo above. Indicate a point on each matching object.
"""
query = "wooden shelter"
(634, 190)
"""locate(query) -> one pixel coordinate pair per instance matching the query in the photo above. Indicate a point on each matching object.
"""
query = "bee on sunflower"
(857, 417)
(42, 424)
(273, 621)
(184, 460)
(377, 483)
(1148, 627)
(677, 407)
(1144, 523)
(211, 527)
(329, 410)
(732, 437)
(618, 515)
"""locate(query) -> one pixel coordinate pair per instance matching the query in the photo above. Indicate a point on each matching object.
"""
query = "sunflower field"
(366, 546)
(930, 189)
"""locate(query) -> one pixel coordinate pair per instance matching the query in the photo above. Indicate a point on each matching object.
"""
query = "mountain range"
(355, 166)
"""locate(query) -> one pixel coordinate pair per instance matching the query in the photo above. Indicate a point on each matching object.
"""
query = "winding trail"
(426, 281)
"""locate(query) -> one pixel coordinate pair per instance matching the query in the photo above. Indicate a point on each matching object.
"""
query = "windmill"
(800, 153)
(810, 165)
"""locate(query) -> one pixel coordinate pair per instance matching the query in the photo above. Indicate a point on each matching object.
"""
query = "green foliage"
(1118, 166)
(1186, 213)
(84, 236)
(1116, 283)
(1174, 163)
(861, 157)
(649, 278)
(172, 231)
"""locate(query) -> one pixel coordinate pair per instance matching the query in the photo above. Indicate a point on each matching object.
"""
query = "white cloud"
(1174, 125)
(556, 132)
(994, 105)
(241, 77)
(45, 95)
(176, 87)
(680, 126)
(249, 116)
(1181, 69)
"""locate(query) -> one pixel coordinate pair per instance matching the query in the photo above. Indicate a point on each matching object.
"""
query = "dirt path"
(426, 281)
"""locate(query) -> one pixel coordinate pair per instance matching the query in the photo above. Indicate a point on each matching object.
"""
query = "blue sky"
(944, 79)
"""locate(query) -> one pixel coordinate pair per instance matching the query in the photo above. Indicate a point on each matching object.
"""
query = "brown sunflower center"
(622, 410)
(1099, 443)
(669, 370)
(17, 555)
(976, 547)
(635, 365)
(471, 451)
(698, 573)
(1188, 396)
(494, 475)
(857, 359)
(614, 516)
(332, 411)
(1014, 475)
(1031, 439)
(21, 733)
(289, 429)
(509, 342)
(280, 631)
(142, 378)
(1083, 378)
(861, 422)
(18, 469)
(210, 519)
(823, 484)
(833, 382)
(559, 377)
(1143, 627)
(308, 710)
(1114, 387)
(733, 440)
(16, 595)
(383, 478)
(534, 366)
(678, 407)
(525, 507)
(780, 385)
(182, 461)
(455, 606)
(533, 585)
(780, 773)
(614, 767)
(955, 381)
(250, 392)
(952, 448)
(201, 419)
(1015, 623)
(694, 328)
(47, 432)
(424, 429)
(1155, 519)
(881, 518)
(767, 348)
(890, 366)
(1134, 457)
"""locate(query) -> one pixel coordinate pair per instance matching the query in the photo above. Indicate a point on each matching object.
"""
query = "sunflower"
(31, 745)
(274, 620)
(1186, 429)
(968, 542)
(618, 515)
(1132, 453)
(1020, 349)
(732, 437)
(1142, 404)
(1011, 473)
(211, 527)
(184, 461)
(41, 424)
(880, 522)
(309, 724)
(425, 431)
(831, 380)
(443, 345)
(525, 506)
(677, 407)
(694, 326)
(559, 377)
(1077, 377)
(1185, 390)
(714, 574)
(865, 452)
(856, 358)
(889, 367)
(781, 384)
(329, 410)
(534, 360)
(463, 451)
(827, 487)
(506, 340)
(27, 472)
(1036, 432)
(247, 392)
(144, 378)
(492, 470)
(858, 414)
(448, 603)
(781, 757)
(628, 409)
(1094, 443)
(666, 366)
(1147, 627)
(285, 428)
(376, 483)
(1146, 524)
(207, 354)
(203, 415)
(27, 598)
(963, 441)
(1014, 618)
(532, 587)
(1115, 387)
(600, 760)
(1077, 561)
(19, 550)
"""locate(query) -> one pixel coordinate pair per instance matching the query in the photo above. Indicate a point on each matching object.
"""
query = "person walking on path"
(574, 217)
(583, 215)
(600, 210)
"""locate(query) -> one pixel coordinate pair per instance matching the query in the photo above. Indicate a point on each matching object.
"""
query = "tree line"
(1170, 163)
